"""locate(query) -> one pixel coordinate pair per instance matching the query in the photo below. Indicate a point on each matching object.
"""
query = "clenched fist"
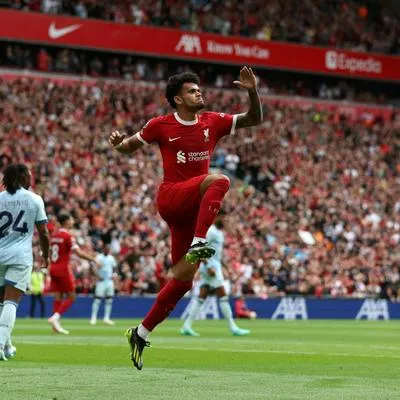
(116, 138)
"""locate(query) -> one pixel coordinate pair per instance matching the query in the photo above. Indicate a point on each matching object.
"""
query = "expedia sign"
(337, 61)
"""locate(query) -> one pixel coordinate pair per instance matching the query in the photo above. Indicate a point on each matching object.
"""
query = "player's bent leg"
(213, 190)
(209, 180)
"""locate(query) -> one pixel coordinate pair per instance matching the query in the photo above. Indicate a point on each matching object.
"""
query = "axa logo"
(56, 33)
(331, 60)
(373, 310)
(206, 135)
(189, 44)
(180, 157)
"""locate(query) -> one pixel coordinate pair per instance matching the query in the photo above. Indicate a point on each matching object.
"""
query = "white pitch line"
(305, 353)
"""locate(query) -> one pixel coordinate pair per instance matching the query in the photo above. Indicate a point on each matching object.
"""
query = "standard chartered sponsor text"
(198, 155)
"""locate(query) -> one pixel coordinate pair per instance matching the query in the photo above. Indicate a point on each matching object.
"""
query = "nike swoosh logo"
(175, 138)
(56, 33)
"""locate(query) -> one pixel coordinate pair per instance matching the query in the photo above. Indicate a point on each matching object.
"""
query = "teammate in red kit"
(62, 279)
(189, 197)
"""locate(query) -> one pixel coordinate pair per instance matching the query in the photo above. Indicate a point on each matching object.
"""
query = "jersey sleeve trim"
(139, 136)
(234, 119)
(42, 221)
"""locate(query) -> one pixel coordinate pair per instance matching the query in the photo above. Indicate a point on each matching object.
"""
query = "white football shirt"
(19, 212)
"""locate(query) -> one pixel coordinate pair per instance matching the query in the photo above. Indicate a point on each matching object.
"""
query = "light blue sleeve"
(41, 217)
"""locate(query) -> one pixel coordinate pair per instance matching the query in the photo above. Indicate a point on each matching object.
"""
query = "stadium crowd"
(129, 67)
(349, 24)
(314, 207)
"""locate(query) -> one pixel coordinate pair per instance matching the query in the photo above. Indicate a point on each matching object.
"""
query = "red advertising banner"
(76, 32)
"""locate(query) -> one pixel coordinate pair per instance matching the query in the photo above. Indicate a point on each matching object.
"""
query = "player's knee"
(222, 181)
(221, 177)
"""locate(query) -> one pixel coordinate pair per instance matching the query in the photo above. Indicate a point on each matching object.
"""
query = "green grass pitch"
(280, 360)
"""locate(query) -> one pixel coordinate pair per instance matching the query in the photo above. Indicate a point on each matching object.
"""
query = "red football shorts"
(62, 284)
(178, 204)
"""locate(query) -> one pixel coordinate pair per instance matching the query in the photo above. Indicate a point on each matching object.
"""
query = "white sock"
(56, 316)
(227, 312)
(108, 308)
(7, 320)
(143, 332)
(95, 308)
(197, 239)
(8, 341)
(194, 310)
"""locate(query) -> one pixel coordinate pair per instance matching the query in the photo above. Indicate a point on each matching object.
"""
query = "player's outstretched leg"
(227, 313)
(166, 300)
(7, 321)
(187, 329)
(137, 344)
(95, 310)
(107, 311)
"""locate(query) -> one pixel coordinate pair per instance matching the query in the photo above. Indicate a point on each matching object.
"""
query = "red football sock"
(56, 305)
(210, 205)
(67, 303)
(166, 301)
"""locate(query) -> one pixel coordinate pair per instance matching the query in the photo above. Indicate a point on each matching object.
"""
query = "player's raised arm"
(254, 115)
(123, 144)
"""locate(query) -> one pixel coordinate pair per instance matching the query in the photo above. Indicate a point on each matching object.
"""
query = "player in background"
(104, 286)
(242, 311)
(189, 197)
(20, 211)
(62, 282)
(212, 280)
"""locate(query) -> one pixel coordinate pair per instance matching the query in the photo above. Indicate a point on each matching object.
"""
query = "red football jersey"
(62, 243)
(187, 146)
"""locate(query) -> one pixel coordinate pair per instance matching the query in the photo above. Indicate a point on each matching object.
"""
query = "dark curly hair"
(13, 177)
(175, 83)
(63, 217)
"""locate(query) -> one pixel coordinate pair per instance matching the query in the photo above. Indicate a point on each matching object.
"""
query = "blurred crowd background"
(314, 207)
(305, 170)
